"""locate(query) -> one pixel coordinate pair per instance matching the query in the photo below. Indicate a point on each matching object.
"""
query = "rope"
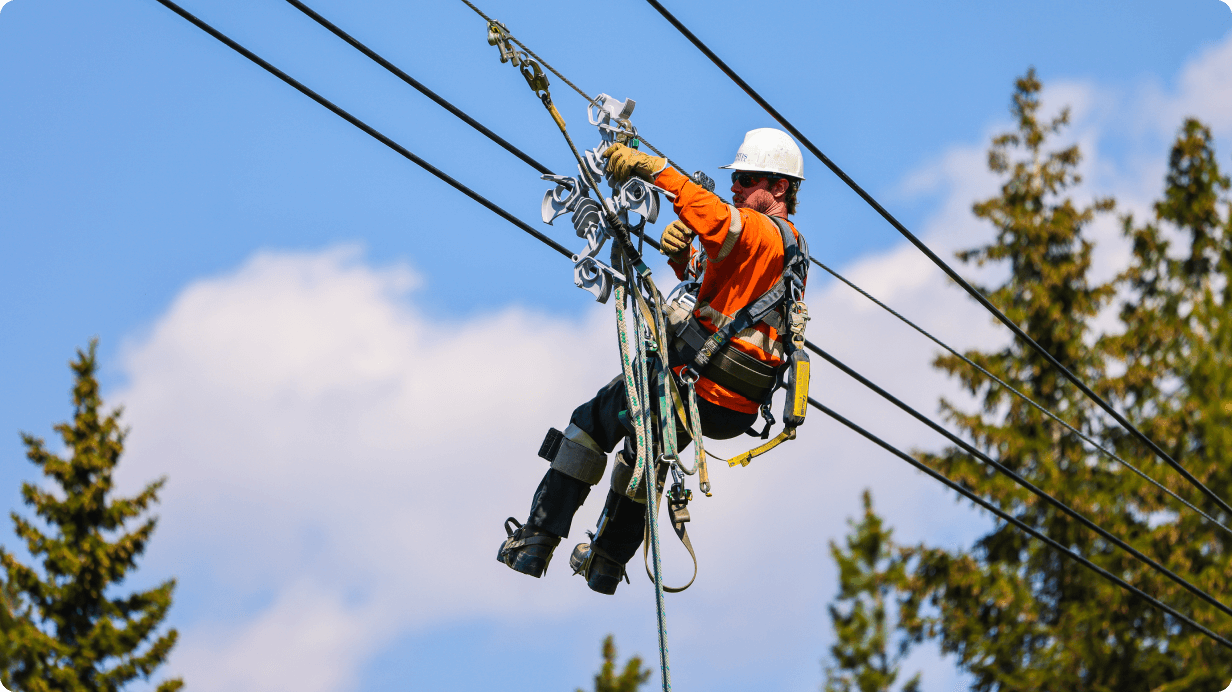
(636, 374)
(632, 388)
(936, 475)
(938, 261)
(667, 442)
(1024, 482)
(633, 365)
(1024, 397)
(547, 241)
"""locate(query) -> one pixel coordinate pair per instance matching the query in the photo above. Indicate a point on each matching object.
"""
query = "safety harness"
(711, 355)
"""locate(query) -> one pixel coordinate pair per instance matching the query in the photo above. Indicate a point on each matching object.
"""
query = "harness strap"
(730, 368)
(795, 270)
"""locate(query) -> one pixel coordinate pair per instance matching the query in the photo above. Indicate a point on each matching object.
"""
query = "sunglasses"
(750, 179)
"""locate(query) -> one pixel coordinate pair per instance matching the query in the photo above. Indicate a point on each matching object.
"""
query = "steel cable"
(395, 70)
(375, 57)
(556, 246)
(530, 52)
(938, 261)
(1002, 469)
(364, 127)
(937, 475)
(565, 79)
(1022, 396)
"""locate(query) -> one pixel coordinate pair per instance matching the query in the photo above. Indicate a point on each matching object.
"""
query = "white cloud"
(341, 462)
(3, 3)
(346, 462)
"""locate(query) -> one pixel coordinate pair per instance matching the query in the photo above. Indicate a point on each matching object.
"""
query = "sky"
(344, 367)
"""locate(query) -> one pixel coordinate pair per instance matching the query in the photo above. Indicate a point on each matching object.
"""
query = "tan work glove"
(624, 163)
(676, 240)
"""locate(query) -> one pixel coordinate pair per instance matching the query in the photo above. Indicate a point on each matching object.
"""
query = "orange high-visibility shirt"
(744, 253)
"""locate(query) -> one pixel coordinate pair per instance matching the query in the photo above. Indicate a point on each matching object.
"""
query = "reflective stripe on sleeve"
(733, 235)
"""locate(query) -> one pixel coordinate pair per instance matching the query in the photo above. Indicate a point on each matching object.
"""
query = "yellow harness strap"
(744, 459)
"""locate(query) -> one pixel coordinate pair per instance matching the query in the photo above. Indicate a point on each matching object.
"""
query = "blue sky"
(162, 193)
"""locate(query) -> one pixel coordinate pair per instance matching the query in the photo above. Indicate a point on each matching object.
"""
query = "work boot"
(527, 549)
(602, 573)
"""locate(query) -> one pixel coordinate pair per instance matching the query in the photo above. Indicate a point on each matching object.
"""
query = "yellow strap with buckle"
(744, 459)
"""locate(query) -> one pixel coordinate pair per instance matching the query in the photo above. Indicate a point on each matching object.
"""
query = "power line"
(936, 475)
(547, 241)
(394, 69)
(365, 127)
(1002, 469)
(372, 54)
(1022, 396)
(937, 260)
(418, 86)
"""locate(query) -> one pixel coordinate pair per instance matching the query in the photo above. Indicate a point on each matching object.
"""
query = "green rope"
(633, 361)
(631, 387)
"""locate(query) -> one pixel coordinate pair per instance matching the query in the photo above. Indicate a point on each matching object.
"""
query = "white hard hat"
(767, 150)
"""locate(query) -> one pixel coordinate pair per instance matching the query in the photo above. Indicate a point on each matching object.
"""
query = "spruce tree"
(869, 575)
(630, 679)
(1017, 615)
(1175, 353)
(64, 628)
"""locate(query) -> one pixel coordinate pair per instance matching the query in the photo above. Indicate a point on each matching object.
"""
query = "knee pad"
(574, 454)
(622, 473)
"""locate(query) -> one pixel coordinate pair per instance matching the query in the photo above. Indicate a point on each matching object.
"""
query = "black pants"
(559, 496)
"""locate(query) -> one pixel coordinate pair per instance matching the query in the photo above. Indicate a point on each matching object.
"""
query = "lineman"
(743, 246)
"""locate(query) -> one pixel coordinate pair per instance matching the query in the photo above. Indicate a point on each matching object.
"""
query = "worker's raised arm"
(717, 224)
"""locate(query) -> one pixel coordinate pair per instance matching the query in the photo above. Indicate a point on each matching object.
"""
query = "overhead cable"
(394, 69)
(375, 57)
(364, 127)
(1022, 396)
(937, 260)
(1002, 469)
(936, 475)
(547, 241)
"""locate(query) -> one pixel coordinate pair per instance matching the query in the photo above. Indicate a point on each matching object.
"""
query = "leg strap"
(574, 454)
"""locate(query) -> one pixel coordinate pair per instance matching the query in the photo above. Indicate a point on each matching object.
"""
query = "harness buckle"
(766, 416)
(797, 320)
(688, 375)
